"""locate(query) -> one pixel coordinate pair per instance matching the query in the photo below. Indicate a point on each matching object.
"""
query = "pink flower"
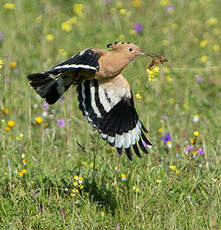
(61, 123)
(45, 106)
(200, 151)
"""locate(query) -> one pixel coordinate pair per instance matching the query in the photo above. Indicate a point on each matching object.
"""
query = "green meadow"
(56, 172)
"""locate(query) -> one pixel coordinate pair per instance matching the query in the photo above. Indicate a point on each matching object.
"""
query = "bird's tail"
(47, 87)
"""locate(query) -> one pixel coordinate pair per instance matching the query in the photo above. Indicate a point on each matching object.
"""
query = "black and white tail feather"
(113, 115)
(52, 83)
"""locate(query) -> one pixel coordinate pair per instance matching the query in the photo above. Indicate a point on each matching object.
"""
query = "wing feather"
(113, 115)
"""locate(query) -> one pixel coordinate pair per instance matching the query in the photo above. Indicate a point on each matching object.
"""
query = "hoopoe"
(104, 95)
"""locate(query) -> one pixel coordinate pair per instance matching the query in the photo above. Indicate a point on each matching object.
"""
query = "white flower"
(195, 118)
(44, 114)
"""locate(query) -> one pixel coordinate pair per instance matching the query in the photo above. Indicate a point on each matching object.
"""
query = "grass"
(154, 195)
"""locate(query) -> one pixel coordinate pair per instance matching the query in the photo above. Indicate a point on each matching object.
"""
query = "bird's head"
(127, 49)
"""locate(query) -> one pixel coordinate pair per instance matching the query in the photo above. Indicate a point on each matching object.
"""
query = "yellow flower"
(172, 167)
(77, 9)
(203, 59)
(24, 171)
(196, 118)
(174, 26)
(24, 161)
(80, 180)
(62, 52)
(166, 70)
(75, 190)
(75, 177)
(136, 3)
(123, 11)
(7, 129)
(38, 19)
(169, 79)
(75, 183)
(66, 26)
(160, 130)
(171, 100)
(84, 163)
(123, 177)
(152, 73)
(216, 48)
(196, 133)
(116, 167)
(50, 37)
(204, 43)
(136, 189)
(46, 124)
(193, 141)
(11, 124)
(13, 64)
(138, 96)
(121, 37)
(195, 153)
(9, 6)
(102, 213)
(91, 164)
(39, 120)
(169, 144)
(5, 111)
(164, 2)
(165, 42)
(212, 21)
(1, 63)
(81, 186)
(20, 174)
(158, 181)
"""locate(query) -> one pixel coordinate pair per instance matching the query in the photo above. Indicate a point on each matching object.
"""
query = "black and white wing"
(111, 111)
(85, 60)
(85, 64)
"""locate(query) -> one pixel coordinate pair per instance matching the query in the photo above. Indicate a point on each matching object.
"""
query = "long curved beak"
(151, 54)
(148, 54)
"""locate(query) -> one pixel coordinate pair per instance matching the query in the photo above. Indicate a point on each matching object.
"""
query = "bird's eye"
(130, 49)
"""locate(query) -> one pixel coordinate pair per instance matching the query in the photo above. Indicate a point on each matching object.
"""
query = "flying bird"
(104, 95)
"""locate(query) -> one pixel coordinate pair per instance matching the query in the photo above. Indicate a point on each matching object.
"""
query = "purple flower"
(188, 148)
(166, 138)
(61, 123)
(200, 151)
(138, 28)
(164, 117)
(169, 8)
(45, 106)
(198, 79)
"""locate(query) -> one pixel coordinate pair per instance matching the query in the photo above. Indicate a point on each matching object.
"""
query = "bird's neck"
(112, 64)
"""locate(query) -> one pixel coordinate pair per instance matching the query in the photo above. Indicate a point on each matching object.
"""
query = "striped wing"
(113, 114)
(85, 60)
